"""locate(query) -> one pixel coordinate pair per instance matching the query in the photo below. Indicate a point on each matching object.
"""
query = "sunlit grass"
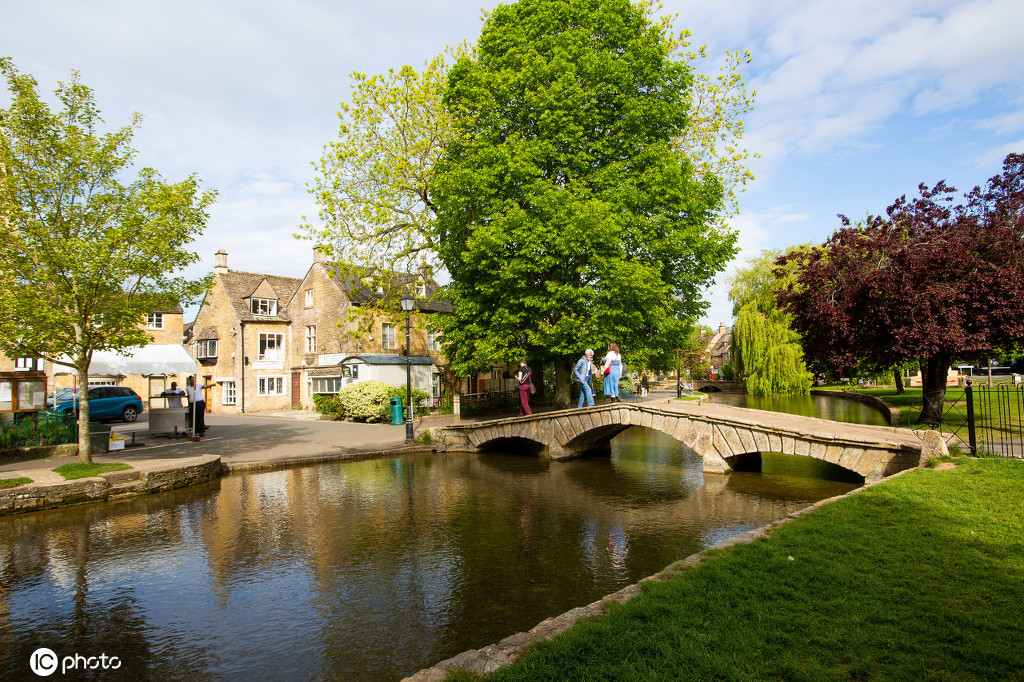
(79, 470)
(920, 577)
(11, 482)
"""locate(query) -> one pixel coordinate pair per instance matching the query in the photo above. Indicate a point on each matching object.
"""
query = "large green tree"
(766, 350)
(85, 254)
(567, 216)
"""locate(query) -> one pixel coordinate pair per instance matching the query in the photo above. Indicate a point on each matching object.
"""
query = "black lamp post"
(408, 302)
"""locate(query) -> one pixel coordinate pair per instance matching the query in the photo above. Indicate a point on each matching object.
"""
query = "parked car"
(106, 402)
(63, 393)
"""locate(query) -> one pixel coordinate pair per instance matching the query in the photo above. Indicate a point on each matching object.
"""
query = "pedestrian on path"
(196, 405)
(643, 384)
(583, 373)
(612, 370)
(524, 381)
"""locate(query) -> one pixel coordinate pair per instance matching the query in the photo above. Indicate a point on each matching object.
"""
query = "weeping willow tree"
(766, 351)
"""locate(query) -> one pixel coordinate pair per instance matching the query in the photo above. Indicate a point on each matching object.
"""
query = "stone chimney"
(320, 253)
(426, 272)
(721, 327)
(220, 262)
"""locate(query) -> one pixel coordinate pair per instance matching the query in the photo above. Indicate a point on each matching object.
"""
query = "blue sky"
(857, 102)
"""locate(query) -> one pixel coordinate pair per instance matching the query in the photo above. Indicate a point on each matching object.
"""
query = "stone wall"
(110, 486)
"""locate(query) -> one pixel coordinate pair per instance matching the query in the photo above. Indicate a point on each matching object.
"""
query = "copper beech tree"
(933, 280)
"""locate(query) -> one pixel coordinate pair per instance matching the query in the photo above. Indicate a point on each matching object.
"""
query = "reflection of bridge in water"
(723, 436)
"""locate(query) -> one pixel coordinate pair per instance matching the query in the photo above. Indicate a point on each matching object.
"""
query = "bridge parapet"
(719, 437)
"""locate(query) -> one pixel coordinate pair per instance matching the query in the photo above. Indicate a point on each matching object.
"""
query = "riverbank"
(920, 576)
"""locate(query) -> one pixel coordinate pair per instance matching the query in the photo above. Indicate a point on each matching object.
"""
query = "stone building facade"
(269, 343)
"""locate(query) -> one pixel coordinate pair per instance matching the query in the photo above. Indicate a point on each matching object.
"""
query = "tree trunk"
(897, 375)
(538, 380)
(934, 371)
(563, 376)
(84, 444)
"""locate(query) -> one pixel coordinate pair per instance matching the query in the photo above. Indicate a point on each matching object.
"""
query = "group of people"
(196, 397)
(584, 373)
(585, 370)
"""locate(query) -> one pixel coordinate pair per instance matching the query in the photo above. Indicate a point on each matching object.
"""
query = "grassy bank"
(920, 577)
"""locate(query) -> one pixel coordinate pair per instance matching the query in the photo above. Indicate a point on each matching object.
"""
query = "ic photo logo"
(44, 662)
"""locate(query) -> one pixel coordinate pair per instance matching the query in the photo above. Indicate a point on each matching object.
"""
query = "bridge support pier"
(714, 463)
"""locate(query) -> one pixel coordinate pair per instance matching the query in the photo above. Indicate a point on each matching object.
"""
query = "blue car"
(106, 402)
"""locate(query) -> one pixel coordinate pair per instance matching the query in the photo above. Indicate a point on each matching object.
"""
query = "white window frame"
(21, 364)
(271, 386)
(325, 385)
(271, 352)
(206, 348)
(228, 393)
(155, 321)
(387, 336)
(433, 340)
(263, 307)
(310, 338)
(309, 298)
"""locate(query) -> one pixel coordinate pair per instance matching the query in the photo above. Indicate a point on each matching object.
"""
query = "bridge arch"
(719, 437)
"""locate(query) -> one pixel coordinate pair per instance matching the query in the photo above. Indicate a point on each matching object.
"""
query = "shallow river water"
(366, 570)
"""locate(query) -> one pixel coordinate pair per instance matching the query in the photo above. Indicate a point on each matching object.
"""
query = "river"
(367, 570)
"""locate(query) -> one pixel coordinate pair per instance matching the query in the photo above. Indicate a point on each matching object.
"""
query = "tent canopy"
(153, 359)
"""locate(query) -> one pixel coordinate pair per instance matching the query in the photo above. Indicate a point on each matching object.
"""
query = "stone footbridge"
(723, 436)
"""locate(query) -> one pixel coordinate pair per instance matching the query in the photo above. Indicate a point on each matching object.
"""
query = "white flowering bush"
(366, 401)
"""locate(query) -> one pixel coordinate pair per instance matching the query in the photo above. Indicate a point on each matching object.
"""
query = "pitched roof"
(350, 280)
(241, 286)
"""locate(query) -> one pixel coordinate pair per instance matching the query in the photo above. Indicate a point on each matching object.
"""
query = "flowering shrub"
(366, 401)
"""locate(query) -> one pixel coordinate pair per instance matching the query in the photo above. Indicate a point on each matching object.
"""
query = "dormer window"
(263, 307)
(155, 321)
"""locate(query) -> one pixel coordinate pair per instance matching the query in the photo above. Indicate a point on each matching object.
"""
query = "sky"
(857, 102)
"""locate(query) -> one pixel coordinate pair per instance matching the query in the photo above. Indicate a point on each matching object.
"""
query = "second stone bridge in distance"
(723, 436)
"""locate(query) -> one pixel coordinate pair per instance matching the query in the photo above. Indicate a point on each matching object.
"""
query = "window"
(309, 298)
(271, 347)
(229, 394)
(155, 321)
(271, 386)
(206, 349)
(433, 340)
(28, 363)
(326, 384)
(264, 307)
(311, 338)
(387, 336)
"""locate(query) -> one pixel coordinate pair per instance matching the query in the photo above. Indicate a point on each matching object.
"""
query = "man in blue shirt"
(583, 372)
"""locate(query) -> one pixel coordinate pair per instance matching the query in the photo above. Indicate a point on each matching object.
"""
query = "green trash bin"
(397, 415)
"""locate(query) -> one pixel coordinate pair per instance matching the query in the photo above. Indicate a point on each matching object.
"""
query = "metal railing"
(998, 428)
(38, 428)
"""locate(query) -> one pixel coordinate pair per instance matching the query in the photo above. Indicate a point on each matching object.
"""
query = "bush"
(329, 405)
(728, 374)
(366, 401)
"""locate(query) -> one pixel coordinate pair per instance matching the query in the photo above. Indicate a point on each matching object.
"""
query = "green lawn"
(918, 578)
(78, 470)
(954, 408)
(11, 482)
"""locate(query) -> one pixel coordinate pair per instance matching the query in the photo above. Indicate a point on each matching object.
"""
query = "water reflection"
(823, 407)
(363, 570)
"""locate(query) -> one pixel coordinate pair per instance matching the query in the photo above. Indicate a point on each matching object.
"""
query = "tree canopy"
(766, 350)
(932, 280)
(85, 254)
(566, 216)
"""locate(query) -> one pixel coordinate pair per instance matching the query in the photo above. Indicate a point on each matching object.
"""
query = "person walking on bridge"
(583, 373)
(612, 370)
(524, 381)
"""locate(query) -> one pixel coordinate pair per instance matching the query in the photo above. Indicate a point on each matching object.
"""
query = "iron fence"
(998, 427)
(38, 428)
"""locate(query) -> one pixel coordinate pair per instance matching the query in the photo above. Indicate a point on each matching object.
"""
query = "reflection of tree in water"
(115, 626)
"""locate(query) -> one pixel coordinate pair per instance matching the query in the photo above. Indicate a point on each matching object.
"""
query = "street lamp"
(408, 302)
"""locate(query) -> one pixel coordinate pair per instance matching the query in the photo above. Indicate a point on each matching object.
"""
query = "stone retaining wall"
(111, 485)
